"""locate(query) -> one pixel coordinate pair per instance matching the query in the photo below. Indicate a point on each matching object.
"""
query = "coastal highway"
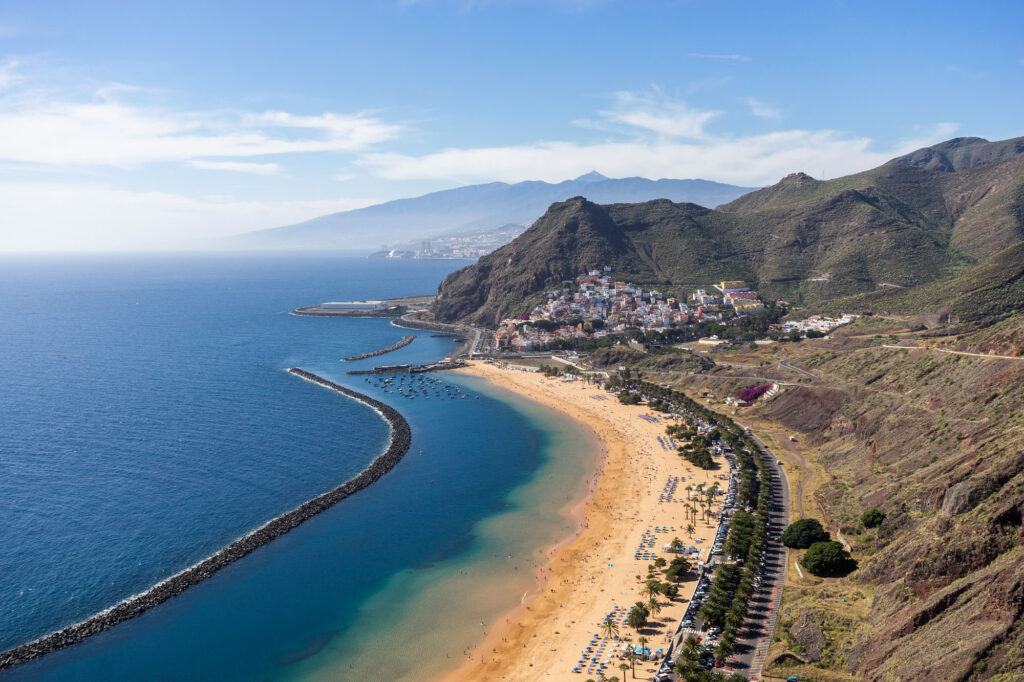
(757, 630)
(756, 633)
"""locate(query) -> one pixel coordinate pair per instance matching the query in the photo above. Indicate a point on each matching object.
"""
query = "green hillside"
(986, 292)
(907, 223)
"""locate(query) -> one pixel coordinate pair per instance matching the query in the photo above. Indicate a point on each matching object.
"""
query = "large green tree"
(804, 533)
(638, 616)
(827, 559)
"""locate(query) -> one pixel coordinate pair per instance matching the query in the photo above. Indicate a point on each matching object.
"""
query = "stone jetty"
(406, 340)
(401, 437)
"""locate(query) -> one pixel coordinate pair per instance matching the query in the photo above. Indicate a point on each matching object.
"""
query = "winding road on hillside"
(987, 356)
(785, 363)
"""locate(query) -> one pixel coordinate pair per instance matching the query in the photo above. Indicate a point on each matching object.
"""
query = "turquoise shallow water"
(148, 421)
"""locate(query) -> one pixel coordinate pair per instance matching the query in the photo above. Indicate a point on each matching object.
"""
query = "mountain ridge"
(472, 208)
(805, 240)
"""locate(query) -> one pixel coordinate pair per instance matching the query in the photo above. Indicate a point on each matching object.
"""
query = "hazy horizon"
(138, 127)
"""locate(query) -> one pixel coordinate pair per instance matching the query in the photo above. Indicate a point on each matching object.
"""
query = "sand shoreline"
(577, 510)
(592, 569)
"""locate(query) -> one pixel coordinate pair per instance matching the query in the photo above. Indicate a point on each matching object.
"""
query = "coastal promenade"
(397, 447)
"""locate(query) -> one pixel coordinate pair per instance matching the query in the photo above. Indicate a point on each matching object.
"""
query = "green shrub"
(872, 518)
(678, 569)
(804, 533)
(827, 559)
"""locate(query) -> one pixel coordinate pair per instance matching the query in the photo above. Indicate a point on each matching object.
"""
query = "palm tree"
(677, 544)
(631, 657)
(654, 606)
(734, 619)
(691, 648)
(690, 530)
(625, 667)
(650, 589)
(642, 641)
(609, 627)
(637, 618)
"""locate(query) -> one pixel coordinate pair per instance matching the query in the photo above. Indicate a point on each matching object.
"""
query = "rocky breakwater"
(401, 437)
(406, 340)
(470, 334)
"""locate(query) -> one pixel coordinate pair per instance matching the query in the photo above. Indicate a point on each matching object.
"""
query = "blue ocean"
(147, 421)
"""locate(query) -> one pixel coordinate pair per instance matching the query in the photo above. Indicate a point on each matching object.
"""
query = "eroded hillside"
(935, 440)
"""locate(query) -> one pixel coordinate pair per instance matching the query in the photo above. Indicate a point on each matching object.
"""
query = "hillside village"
(596, 305)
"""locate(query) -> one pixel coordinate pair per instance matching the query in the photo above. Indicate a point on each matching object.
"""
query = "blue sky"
(129, 125)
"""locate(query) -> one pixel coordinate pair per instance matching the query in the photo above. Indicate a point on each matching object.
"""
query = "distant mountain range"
(930, 215)
(472, 209)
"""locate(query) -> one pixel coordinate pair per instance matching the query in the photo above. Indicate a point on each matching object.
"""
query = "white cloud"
(719, 57)
(760, 109)
(114, 134)
(651, 112)
(237, 166)
(109, 127)
(80, 217)
(744, 160)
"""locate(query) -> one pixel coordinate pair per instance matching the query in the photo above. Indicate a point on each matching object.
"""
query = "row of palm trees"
(705, 504)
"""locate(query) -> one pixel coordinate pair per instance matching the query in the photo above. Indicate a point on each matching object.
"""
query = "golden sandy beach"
(594, 571)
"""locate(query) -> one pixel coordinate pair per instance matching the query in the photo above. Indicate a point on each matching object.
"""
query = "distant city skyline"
(138, 126)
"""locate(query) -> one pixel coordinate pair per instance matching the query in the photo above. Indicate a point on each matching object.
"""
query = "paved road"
(767, 380)
(785, 363)
(757, 630)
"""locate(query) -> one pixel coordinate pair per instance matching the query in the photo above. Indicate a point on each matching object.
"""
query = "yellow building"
(733, 285)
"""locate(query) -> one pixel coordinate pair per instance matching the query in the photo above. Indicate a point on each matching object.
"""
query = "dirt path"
(956, 352)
